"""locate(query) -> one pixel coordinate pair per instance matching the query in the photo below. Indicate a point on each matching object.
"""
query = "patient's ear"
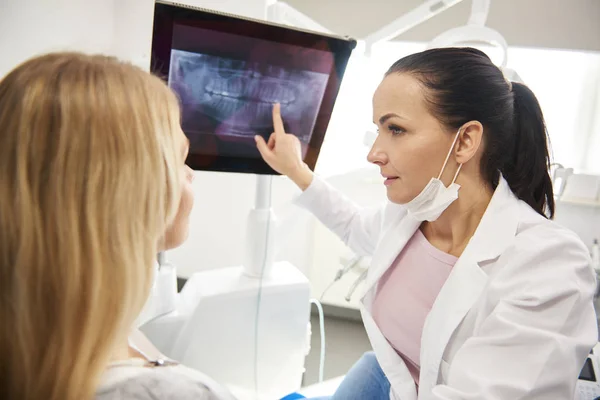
(177, 232)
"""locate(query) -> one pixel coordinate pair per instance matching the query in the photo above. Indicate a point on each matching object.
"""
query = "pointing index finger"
(277, 121)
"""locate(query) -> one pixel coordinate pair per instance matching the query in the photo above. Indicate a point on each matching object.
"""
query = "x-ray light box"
(229, 71)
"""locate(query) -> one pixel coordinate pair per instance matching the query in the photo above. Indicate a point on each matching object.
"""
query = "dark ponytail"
(527, 173)
(462, 85)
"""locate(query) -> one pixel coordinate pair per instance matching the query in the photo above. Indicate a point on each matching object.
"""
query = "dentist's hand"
(283, 153)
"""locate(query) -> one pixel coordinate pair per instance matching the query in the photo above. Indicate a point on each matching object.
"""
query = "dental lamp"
(474, 32)
(405, 22)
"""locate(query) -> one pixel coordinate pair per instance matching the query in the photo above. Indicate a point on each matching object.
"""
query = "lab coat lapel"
(466, 282)
(391, 244)
(463, 287)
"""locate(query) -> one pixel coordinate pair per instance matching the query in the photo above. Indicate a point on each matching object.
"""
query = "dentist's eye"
(396, 130)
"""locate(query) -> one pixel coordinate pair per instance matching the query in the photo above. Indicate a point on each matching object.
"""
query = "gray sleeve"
(157, 384)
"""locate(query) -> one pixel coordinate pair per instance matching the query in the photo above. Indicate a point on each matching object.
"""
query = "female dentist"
(473, 292)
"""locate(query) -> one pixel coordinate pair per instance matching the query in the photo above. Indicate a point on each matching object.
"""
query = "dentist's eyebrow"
(388, 116)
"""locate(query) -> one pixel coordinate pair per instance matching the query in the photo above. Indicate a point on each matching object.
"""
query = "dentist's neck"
(452, 231)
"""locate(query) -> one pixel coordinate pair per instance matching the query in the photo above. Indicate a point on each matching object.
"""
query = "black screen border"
(167, 14)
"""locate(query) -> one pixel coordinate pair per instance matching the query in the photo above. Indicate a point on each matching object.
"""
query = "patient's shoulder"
(166, 383)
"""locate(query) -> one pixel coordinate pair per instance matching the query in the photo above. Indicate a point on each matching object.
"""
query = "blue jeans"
(365, 380)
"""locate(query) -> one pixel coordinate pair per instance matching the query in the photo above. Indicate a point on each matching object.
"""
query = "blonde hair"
(90, 161)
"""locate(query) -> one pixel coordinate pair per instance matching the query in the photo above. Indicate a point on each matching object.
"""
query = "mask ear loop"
(456, 175)
(448, 157)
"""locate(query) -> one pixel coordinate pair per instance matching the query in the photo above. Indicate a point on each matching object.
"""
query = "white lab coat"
(515, 319)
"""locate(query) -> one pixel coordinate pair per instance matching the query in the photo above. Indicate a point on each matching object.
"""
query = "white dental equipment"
(357, 282)
(577, 198)
(560, 175)
(351, 264)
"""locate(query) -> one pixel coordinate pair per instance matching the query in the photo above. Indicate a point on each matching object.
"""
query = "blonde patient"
(93, 183)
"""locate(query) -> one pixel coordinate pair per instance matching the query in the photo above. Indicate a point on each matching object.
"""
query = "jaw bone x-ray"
(234, 98)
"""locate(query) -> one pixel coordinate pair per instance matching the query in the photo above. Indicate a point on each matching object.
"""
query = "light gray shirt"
(137, 379)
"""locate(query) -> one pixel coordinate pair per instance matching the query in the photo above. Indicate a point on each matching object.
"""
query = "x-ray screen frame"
(168, 17)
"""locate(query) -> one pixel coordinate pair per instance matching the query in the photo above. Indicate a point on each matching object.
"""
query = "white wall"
(29, 28)
(582, 219)
(118, 27)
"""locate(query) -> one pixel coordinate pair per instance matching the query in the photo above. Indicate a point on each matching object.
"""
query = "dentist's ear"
(469, 142)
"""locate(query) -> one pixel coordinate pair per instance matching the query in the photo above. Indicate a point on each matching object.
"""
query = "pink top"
(406, 294)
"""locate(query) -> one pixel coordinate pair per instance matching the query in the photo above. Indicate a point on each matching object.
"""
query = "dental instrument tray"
(229, 71)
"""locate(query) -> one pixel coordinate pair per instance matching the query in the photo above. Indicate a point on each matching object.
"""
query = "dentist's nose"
(377, 155)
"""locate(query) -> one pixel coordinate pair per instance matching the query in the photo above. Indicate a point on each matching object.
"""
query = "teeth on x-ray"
(252, 90)
(240, 94)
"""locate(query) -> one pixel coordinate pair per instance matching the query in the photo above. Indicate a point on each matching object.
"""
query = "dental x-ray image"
(228, 73)
(231, 100)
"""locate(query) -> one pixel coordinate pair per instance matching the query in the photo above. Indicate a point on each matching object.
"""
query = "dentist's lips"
(389, 180)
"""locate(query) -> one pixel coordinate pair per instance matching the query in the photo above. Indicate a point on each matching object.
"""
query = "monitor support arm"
(261, 228)
(262, 224)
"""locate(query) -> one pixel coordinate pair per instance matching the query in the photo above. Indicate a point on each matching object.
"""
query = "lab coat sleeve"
(359, 228)
(535, 341)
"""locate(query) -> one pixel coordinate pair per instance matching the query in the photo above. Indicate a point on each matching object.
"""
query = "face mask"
(435, 197)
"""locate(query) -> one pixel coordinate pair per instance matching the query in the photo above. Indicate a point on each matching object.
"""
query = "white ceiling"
(565, 24)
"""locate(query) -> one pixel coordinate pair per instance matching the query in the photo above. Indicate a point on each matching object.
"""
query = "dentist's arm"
(358, 227)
